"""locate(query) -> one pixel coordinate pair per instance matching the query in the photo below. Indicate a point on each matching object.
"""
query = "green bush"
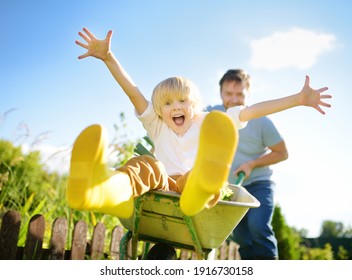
(25, 186)
(317, 253)
(21, 176)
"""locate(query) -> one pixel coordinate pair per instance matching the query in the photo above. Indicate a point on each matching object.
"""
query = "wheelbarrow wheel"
(161, 251)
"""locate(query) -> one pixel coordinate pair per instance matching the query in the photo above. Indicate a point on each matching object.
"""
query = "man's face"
(233, 93)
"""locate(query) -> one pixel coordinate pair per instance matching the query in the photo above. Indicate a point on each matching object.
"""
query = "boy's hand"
(313, 97)
(95, 47)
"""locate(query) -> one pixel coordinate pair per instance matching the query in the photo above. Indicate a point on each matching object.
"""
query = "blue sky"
(48, 94)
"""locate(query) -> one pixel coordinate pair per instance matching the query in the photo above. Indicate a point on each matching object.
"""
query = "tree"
(288, 240)
(332, 229)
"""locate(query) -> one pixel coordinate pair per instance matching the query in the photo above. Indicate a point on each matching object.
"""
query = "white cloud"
(294, 48)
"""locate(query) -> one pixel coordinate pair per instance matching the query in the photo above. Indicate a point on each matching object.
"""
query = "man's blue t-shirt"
(255, 138)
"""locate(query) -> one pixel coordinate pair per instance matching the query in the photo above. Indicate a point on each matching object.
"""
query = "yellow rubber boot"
(91, 185)
(217, 145)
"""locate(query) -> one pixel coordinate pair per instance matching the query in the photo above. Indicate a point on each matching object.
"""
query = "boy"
(191, 154)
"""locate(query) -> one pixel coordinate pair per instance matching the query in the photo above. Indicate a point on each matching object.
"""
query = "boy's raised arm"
(306, 97)
(101, 49)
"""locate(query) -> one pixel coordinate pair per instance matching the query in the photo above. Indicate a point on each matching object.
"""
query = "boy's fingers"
(307, 81)
(324, 104)
(81, 44)
(90, 34)
(323, 89)
(320, 110)
(109, 34)
(84, 36)
(83, 55)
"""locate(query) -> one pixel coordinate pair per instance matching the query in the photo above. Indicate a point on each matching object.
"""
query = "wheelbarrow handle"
(240, 178)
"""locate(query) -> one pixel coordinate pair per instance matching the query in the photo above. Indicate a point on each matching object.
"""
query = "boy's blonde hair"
(176, 88)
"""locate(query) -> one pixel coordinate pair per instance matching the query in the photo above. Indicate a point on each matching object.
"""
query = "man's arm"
(277, 154)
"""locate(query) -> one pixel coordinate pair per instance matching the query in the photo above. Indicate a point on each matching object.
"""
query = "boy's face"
(178, 115)
(233, 93)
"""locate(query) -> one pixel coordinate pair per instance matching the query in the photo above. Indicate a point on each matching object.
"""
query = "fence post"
(98, 241)
(10, 228)
(116, 237)
(58, 239)
(34, 241)
(79, 241)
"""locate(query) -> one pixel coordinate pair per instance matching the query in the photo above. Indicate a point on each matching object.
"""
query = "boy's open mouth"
(179, 120)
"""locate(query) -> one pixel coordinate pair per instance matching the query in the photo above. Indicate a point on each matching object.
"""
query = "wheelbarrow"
(158, 219)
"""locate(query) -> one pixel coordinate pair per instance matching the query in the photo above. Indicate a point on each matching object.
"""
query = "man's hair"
(237, 75)
(176, 88)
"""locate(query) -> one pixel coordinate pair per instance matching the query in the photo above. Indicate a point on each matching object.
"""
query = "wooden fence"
(80, 248)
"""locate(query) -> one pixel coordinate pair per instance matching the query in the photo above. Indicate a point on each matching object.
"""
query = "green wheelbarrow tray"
(158, 218)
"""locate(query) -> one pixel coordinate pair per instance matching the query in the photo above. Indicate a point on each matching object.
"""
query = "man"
(260, 146)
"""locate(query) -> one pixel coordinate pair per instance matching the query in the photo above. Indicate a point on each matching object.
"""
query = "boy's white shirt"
(178, 153)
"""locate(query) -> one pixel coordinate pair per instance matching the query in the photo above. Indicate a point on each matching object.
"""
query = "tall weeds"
(28, 187)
